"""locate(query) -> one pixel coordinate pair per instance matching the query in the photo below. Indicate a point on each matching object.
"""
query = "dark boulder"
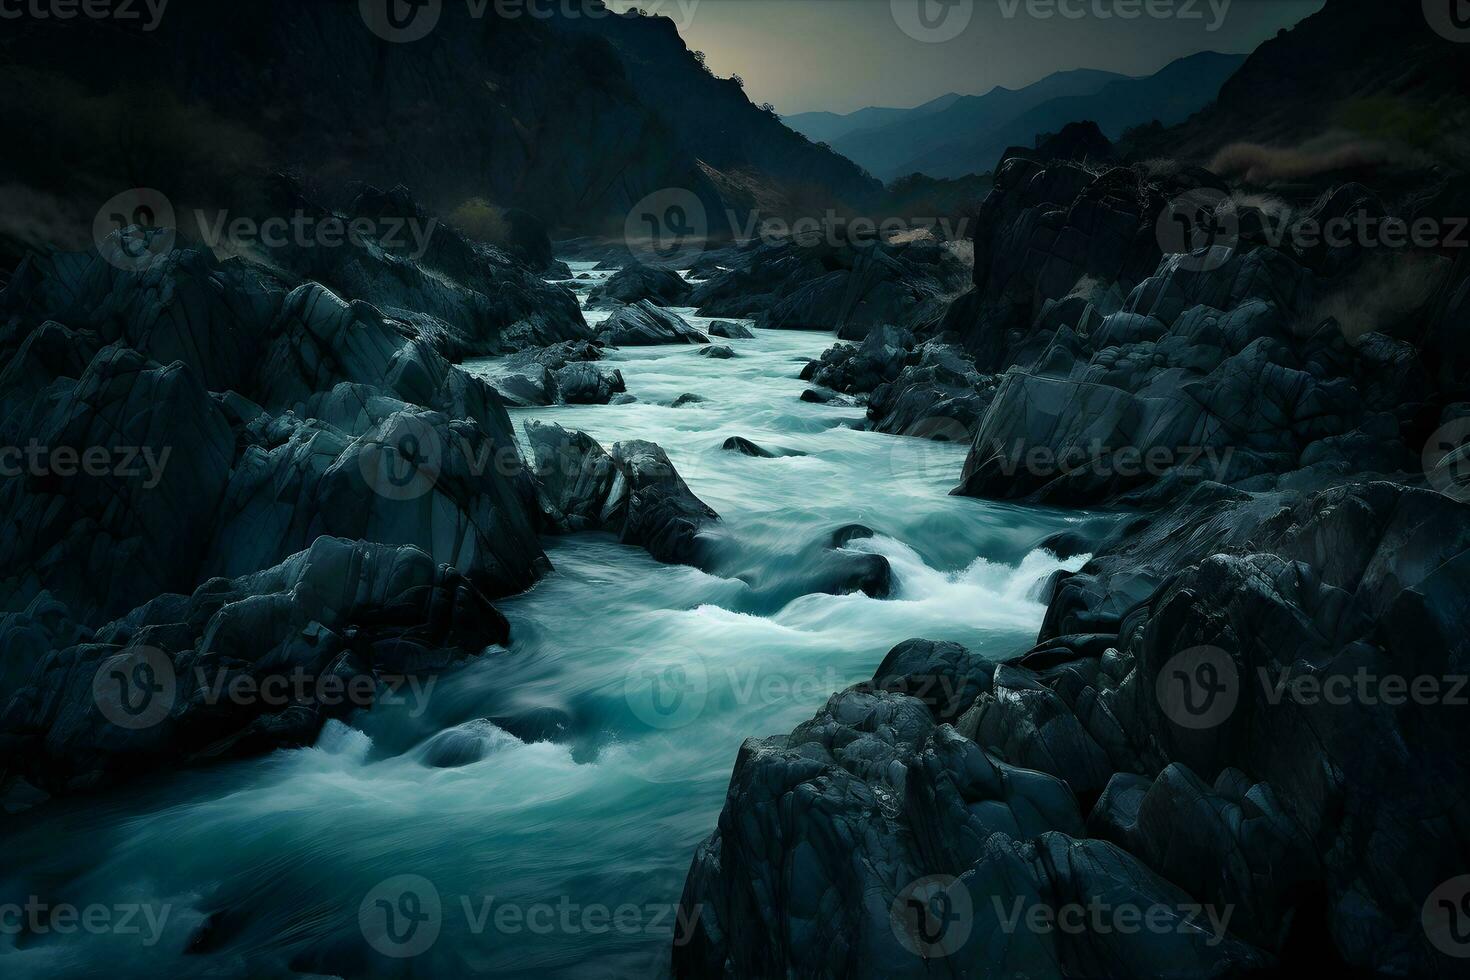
(243, 666)
(644, 325)
(633, 492)
(730, 331)
(637, 282)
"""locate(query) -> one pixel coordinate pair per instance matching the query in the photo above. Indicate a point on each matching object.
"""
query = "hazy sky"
(842, 55)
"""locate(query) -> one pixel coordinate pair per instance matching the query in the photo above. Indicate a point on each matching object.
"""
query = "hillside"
(1170, 96)
(887, 151)
(569, 117)
(1357, 87)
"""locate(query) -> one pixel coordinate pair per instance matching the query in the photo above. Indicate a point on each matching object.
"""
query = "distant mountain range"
(957, 135)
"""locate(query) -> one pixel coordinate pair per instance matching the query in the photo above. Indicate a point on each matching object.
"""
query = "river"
(565, 856)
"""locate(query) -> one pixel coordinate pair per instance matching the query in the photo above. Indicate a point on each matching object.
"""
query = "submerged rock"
(717, 351)
(743, 446)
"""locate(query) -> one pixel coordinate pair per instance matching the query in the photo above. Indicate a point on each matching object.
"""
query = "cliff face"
(573, 118)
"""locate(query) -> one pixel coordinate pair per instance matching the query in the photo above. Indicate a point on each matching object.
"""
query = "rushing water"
(562, 852)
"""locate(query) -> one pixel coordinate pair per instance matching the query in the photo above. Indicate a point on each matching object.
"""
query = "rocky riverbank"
(1217, 715)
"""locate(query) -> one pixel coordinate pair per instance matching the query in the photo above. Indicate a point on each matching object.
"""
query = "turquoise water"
(561, 856)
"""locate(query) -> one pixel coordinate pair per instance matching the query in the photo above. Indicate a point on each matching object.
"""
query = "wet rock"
(587, 384)
(847, 287)
(636, 282)
(632, 491)
(717, 352)
(465, 298)
(743, 446)
(465, 745)
(825, 396)
(730, 331)
(688, 398)
(160, 458)
(344, 616)
(643, 325)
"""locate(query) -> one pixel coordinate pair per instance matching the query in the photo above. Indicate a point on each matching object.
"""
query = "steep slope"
(1358, 82)
(1170, 96)
(568, 116)
(885, 150)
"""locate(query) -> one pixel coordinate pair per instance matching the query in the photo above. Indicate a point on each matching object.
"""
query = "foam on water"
(584, 763)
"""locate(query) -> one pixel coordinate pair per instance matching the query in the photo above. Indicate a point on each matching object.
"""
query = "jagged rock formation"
(646, 325)
(1066, 774)
(632, 491)
(467, 298)
(206, 428)
(851, 288)
(1273, 434)
(243, 666)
